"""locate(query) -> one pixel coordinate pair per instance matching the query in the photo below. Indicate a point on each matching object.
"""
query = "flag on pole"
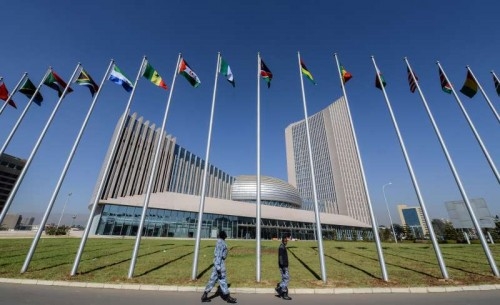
(84, 79)
(265, 73)
(445, 85)
(469, 88)
(29, 89)
(345, 74)
(412, 81)
(55, 82)
(225, 70)
(306, 72)
(377, 82)
(151, 74)
(117, 77)
(4, 94)
(497, 85)
(189, 74)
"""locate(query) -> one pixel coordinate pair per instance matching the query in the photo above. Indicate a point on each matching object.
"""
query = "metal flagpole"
(98, 194)
(372, 215)
(153, 172)
(473, 128)
(13, 192)
(413, 178)
(311, 164)
(205, 174)
(19, 120)
(484, 94)
(257, 185)
(63, 174)
(13, 91)
(466, 199)
(428, 220)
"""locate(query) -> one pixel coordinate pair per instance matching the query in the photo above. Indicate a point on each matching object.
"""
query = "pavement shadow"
(395, 265)
(347, 264)
(304, 264)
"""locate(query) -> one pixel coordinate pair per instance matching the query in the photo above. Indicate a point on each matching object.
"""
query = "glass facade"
(124, 220)
(413, 222)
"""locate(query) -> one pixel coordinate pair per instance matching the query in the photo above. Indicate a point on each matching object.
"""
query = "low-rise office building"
(230, 202)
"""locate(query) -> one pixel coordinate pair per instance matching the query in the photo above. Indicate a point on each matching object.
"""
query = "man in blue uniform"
(282, 287)
(219, 271)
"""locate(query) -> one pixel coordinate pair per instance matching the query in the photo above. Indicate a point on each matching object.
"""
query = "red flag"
(4, 94)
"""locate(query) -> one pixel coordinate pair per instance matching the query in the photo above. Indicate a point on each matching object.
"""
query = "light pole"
(62, 212)
(388, 212)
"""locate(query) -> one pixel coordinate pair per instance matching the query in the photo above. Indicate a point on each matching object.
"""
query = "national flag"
(189, 74)
(469, 88)
(377, 82)
(412, 81)
(265, 73)
(306, 72)
(29, 89)
(151, 74)
(4, 94)
(55, 82)
(497, 85)
(84, 79)
(445, 85)
(345, 75)
(225, 70)
(117, 77)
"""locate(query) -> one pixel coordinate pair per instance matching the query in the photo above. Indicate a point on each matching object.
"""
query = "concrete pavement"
(21, 294)
(236, 290)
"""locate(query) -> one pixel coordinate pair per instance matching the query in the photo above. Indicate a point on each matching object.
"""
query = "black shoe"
(278, 289)
(285, 296)
(204, 297)
(228, 298)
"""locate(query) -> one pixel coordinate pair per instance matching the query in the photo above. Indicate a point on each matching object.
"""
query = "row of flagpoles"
(114, 74)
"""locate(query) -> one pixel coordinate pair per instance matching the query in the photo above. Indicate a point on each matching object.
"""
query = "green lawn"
(169, 262)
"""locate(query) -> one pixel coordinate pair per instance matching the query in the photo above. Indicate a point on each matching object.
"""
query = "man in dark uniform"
(219, 271)
(282, 287)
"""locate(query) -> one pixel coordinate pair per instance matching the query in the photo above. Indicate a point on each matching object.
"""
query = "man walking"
(219, 271)
(282, 287)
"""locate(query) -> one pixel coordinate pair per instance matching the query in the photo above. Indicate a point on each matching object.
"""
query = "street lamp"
(388, 212)
(64, 207)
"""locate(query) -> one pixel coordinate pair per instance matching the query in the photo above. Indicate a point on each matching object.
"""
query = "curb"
(246, 290)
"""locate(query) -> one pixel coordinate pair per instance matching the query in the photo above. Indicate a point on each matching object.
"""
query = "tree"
(450, 233)
(439, 227)
(408, 232)
(398, 229)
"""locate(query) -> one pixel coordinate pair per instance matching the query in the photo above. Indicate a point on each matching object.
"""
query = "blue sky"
(61, 34)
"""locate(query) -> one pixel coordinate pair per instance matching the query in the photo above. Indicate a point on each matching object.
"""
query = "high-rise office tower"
(339, 180)
(413, 218)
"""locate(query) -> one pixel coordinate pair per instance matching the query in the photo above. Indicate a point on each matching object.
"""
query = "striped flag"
(225, 70)
(377, 82)
(84, 79)
(55, 82)
(345, 74)
(470, 86)
(445, 85)
(266, 73)
(306, 72)
(4, 94)
(497, 85)
(153, 76)
(412, 81)
(189, 74)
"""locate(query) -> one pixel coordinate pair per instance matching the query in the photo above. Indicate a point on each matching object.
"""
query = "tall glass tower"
(339, 181)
